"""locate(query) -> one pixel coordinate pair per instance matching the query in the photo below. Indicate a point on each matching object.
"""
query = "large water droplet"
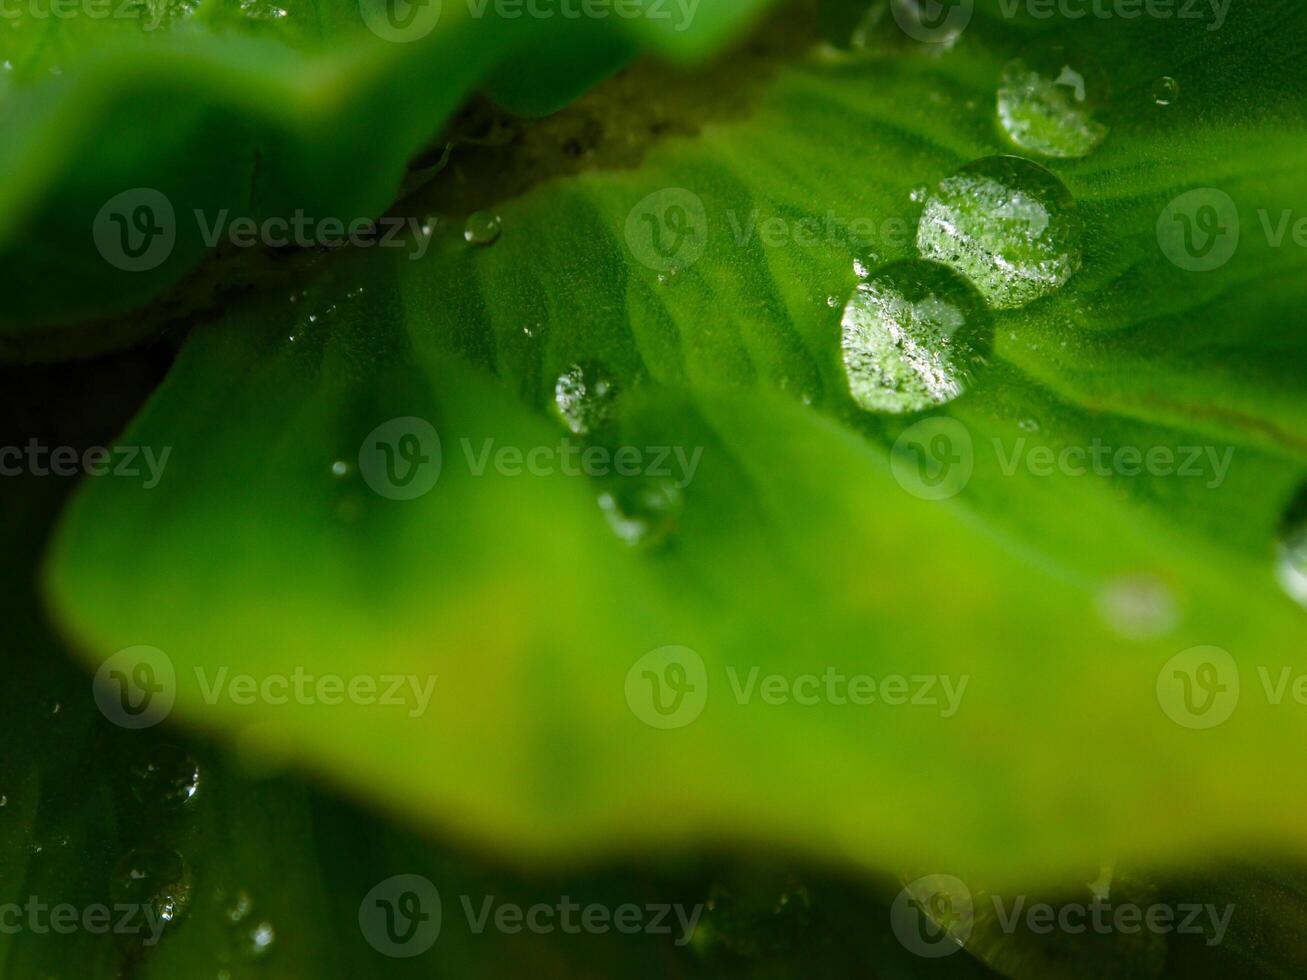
(584, 395)
(1166, 90)
(167, 776)
(482, 228)
(1006, 224)
(1048, 101)
(910, 337)
(153, 877)
(643, 513)
(1291, 555)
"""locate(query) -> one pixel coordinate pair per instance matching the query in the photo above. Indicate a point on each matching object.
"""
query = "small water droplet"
(167, 775)
(642, 512)
(832, 301)
(1166, 90)
(239, 907)
(258, 940)
(1008, 225)
(528, 330)
(482, 228)
(1139, 607)
(584, 395)
(155, 877)
(4, 800)
(1049, 99)
(908, 336)
(1028, 425)
(918, 194)
(861, 269)
(340, 468)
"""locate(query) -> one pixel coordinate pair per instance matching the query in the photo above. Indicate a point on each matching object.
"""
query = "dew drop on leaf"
(1049, 101)
(1008, 225)
(340, 469)
(167, 776)
(153, 877)
(1291, 559)
(584, 395)
(909, 336)
(258, 939)
(1138, 607)
(1166, 90)
(642, 513)
(482, 228)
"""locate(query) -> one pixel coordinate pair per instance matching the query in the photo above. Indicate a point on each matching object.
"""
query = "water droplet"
(918, 194)
(155, 877)
(258, 940)
(584, 396)
(861, 269)
(832, 301)
(1291, 558)
(1028, 425)
(239, 907)
(1139, 607)
(642, 512)
(1048, 101)
(340, 468)
(168, 775)
(482, 228)
(1008, 225)
(4, 800)
(1166, 90)
(908, 337)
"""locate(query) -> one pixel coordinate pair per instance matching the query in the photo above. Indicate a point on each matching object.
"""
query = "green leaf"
(793, 549)
(129, 129)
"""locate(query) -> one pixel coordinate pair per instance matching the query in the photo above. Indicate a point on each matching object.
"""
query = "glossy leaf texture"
(1013, 635)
